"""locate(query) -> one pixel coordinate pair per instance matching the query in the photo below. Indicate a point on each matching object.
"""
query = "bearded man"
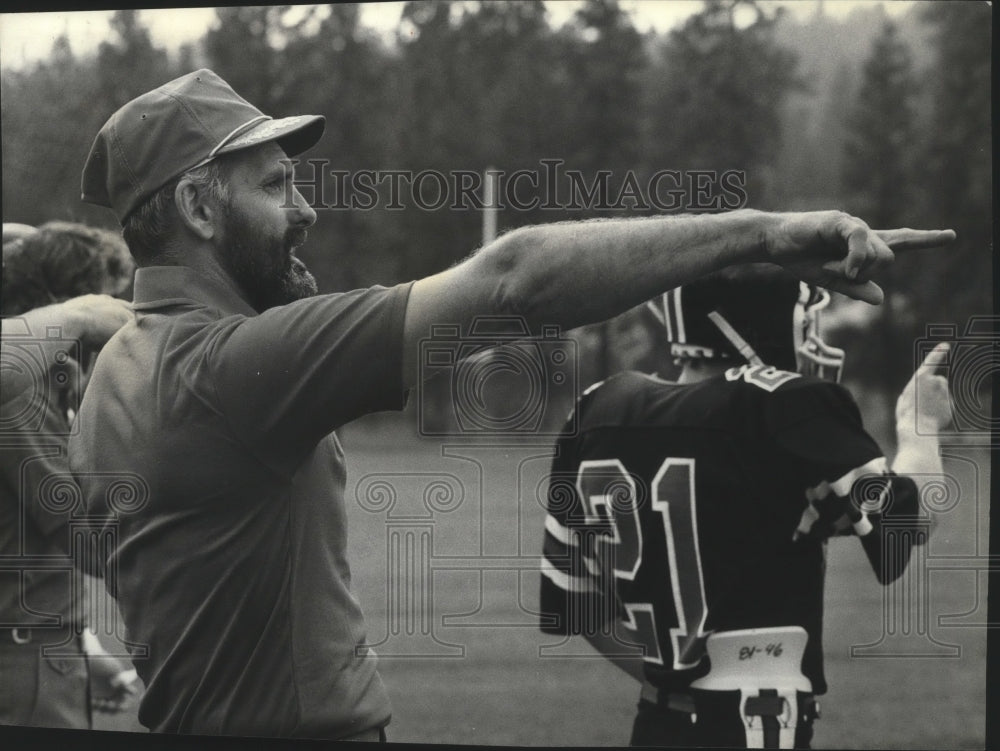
(230, 568)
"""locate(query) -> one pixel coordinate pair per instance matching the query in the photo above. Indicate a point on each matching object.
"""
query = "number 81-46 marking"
(609, 494)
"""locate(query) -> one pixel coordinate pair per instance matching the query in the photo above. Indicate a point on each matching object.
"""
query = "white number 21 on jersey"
(609, 494)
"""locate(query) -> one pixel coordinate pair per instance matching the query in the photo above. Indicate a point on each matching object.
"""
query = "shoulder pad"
(613, 394)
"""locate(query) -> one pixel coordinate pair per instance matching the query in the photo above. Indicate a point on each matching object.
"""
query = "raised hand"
(115, 693)
(924, 405)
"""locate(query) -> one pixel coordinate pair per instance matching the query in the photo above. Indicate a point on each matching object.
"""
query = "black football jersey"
(680, 510)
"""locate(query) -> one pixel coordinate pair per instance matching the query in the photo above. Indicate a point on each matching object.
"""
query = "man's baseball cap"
(180, 125)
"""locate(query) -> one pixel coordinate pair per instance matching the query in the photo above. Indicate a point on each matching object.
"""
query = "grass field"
(477, 670)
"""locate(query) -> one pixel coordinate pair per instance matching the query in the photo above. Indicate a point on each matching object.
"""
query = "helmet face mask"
(746, 319)
(813, 356)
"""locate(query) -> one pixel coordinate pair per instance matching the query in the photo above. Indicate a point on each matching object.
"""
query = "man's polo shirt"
(231, 534)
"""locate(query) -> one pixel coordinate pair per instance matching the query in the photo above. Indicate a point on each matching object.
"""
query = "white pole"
(489, 205)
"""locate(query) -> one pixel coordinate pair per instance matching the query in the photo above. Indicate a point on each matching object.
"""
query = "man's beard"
(264, 267)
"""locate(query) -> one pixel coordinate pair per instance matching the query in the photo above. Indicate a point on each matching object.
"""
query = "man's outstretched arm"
(574, 273)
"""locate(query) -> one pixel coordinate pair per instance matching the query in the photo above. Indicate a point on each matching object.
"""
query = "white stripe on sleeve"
(565, 535)
(842, 485)
(564, 581)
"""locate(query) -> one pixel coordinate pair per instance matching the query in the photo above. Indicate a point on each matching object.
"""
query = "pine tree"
(717, 99)
(877, 168)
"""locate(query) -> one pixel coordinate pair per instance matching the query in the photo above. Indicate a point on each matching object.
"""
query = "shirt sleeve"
(577, 595)
(818, 426)
(291, 375)
(850, 488)
(897, 526)
(823, 444)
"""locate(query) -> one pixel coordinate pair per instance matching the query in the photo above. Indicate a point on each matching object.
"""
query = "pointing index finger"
(915, 239)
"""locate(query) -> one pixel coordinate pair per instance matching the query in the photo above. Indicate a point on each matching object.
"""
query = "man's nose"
(303, 215)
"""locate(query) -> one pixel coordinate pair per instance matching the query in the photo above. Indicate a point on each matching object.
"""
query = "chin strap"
(742, 345)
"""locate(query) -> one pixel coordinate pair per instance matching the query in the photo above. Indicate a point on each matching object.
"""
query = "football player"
(691, 517)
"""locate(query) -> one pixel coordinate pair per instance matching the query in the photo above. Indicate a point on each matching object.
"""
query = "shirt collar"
(163, 286)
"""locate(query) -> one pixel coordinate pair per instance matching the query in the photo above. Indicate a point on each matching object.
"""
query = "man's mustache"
(295, 237)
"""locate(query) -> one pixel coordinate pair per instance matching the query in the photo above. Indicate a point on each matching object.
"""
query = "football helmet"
(757, 316)
(813, 356)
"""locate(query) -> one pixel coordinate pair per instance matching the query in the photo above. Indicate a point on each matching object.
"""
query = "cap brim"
(294, 134)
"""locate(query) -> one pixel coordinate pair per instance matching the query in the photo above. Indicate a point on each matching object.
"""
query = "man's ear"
(197, 211)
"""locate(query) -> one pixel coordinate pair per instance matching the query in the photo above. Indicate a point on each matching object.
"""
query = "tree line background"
(889, 119)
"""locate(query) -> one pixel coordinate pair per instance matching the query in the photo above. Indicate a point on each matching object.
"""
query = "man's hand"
(113, 694)
(922, 410)
(90, 319)
(840, 252)
(924, 405)
(93, 319)
(113, 683)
